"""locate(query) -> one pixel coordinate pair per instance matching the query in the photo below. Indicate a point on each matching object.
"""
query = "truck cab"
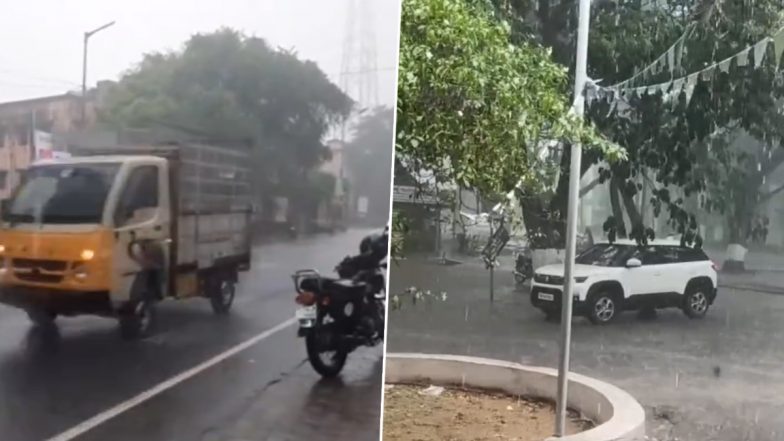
(107, 234)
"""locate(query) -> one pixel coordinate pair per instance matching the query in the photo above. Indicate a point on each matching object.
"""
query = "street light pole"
(580, 77)
(87, 36)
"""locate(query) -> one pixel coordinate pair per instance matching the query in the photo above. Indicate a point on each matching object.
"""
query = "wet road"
(716, 379)
(267, 392)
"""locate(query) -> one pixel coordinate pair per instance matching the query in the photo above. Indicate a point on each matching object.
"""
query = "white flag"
(759, 52)
(743, 57)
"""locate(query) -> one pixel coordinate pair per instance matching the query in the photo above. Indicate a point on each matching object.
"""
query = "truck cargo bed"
(211, 199)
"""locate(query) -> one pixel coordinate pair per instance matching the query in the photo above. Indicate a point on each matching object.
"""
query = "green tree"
(682, 143)
(476, 108)
(664, 142)
(228, 85)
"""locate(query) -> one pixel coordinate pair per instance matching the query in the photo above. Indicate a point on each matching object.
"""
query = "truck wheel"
(695, 302)
(222, 296)
(41, 317)
(138, 319)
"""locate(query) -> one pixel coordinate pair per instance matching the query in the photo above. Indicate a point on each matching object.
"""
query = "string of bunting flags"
(670, 59)
(672, 88)
(620, 93)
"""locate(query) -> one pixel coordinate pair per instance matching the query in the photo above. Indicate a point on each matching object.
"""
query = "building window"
(3, 179)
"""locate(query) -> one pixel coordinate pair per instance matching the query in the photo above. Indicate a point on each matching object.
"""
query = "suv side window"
(691, 255)
(670, 254)
(139, 197)
(648, 255)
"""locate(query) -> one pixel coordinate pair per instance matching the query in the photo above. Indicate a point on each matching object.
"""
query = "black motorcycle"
(338, 315)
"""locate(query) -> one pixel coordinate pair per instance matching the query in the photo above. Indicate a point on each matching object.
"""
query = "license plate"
(306, 313)
(545, 296)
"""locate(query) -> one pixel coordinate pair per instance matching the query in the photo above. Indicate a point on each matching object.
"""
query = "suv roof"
(657, 242)
(616, 253)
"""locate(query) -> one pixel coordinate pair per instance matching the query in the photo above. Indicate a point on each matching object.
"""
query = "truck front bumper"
(59, 301)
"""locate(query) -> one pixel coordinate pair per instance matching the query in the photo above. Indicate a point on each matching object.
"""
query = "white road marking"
(108, 414)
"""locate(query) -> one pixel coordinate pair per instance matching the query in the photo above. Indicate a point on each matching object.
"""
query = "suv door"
(646, 279)
(674, 272)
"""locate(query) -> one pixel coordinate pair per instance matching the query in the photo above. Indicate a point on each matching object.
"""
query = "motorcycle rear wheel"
(314, 343)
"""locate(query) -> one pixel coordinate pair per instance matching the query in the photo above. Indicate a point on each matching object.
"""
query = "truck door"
(142, 221)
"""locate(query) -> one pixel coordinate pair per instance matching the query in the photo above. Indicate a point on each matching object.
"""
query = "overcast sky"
(41, 40)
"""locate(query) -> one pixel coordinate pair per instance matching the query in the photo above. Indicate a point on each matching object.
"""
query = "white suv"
(613, 277)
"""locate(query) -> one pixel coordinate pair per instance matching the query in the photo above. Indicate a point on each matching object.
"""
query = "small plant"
(416, 295)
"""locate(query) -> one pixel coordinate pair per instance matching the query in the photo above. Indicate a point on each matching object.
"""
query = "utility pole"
(358, 66)
(580, 78)
(492, 262)
(87, 36)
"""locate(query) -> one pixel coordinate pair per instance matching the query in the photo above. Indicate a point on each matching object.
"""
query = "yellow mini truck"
(113, 231)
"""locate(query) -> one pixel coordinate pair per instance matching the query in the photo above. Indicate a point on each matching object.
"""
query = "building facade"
(57, 115)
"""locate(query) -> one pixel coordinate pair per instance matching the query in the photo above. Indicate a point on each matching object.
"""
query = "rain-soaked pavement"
(719, 378)
(267, 392)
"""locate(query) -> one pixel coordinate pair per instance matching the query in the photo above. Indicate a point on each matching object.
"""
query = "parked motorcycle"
(338, 315)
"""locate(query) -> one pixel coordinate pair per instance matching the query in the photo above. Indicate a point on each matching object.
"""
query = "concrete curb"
(618, 415)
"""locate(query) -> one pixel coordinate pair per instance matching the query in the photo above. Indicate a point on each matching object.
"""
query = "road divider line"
(110, 413)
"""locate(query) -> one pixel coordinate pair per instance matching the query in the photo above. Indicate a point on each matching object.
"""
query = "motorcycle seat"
(334, 286)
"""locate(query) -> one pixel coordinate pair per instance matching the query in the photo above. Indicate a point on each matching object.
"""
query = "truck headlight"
(580, 279)
(87, 254)
(2, 249)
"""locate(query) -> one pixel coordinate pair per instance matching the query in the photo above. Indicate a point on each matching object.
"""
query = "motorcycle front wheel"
(324, 354)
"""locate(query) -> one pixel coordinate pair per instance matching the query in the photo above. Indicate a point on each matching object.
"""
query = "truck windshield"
(62, 194)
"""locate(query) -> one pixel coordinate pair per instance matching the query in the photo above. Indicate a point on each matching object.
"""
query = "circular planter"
(618, 416)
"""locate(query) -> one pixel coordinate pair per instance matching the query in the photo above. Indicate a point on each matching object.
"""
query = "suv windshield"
(62, 194)
(605, 255)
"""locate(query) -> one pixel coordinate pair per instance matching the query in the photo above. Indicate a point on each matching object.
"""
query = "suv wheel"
(695, 302)
(603, 307)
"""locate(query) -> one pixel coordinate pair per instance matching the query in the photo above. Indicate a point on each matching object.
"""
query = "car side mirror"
(633, 263)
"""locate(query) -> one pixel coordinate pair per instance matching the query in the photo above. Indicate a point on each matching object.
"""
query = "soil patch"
(468, 415)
